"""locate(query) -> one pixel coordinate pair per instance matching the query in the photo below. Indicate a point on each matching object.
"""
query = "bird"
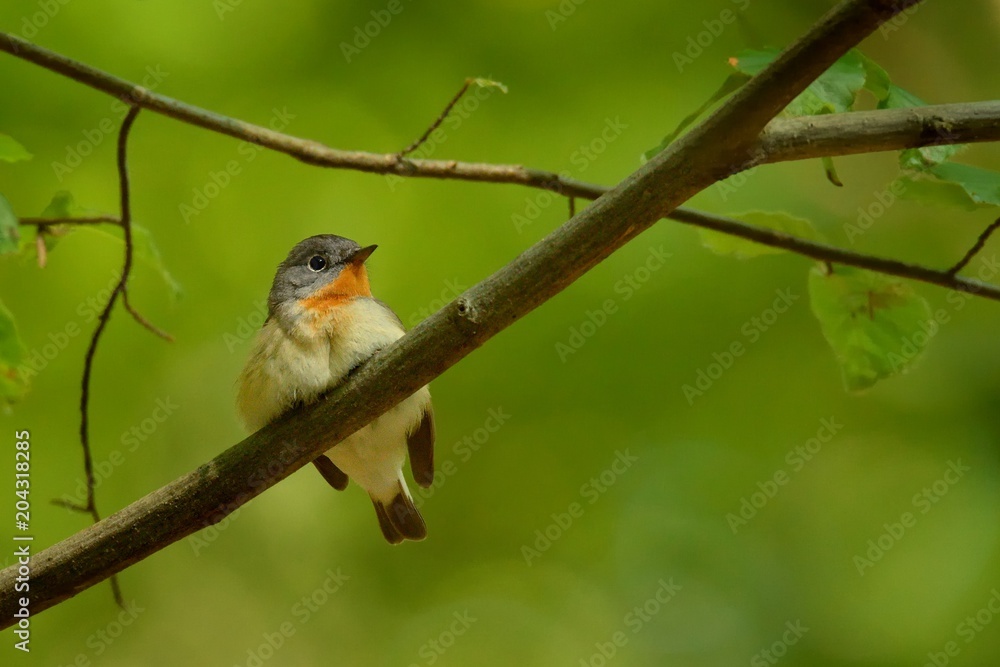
(322, 323)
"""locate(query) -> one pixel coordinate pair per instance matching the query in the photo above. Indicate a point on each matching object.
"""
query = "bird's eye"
(317, 263)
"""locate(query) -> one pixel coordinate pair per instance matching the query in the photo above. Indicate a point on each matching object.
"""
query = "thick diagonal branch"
(245, 470)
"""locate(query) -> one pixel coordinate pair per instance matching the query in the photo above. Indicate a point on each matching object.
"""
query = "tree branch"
(240, 473)
(126, 218)
(825, 253)
(884, 130)
(785, 139)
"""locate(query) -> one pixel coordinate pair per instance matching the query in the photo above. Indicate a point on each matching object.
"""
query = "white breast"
(288, 367)
(280, 372)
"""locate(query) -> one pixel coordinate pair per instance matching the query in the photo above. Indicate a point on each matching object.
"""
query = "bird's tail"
(398, 518)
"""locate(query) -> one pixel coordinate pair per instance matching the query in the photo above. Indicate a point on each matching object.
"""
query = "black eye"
(317, 263)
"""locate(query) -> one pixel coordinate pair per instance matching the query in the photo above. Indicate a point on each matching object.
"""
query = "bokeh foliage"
(761, 415)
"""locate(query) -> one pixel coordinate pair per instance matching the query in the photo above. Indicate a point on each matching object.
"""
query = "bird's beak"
(361, 255)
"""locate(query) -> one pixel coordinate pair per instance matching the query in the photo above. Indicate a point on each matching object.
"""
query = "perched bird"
(322, 323)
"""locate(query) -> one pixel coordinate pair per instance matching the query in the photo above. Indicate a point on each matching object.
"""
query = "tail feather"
(400, 519)
(392, 535)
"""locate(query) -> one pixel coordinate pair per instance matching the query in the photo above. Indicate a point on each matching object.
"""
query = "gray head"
(318, 262)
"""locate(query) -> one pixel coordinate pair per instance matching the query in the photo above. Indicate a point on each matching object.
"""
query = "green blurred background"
(663, 520)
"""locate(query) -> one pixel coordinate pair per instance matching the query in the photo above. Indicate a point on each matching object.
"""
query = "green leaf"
(831, 172)
(725, 244)
(13, 384)
(489, 83)
(833, 92)
(919, 159)
(732, 83)
(752, 62)
(982, 185)
(876, 324)
(926, 190)
(11, 150)
(63, 205)
(953, 184)
(10, 234)
(877, 80)
(897, 98)
(144, 250)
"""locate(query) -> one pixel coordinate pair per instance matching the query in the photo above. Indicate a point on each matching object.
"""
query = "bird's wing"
(391, 312)
(420, 444)
(331, 473)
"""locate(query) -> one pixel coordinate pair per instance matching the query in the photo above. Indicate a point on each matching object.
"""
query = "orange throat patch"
(351, 283)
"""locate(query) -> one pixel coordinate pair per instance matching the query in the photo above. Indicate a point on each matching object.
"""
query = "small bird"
(322, 323)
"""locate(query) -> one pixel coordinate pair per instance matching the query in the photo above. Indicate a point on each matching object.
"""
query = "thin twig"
(784, 139)
(126, 220)
(138, 317)
(976, 247)
(572, 205)
(44, 223)
(437, 123)
(87, 220)
(832, 255)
